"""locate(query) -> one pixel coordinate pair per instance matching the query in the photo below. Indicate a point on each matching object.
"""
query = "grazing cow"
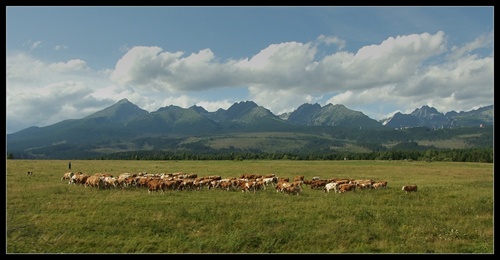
(364, 184)
(330, 186)
(67, 176)
(270, 181)
(379, 184)
(294, 190)
(215, 177)
(94, 181)
(409, 188)
(172, 184)
(227, 185)
(283, 179)
(347, 187)
(29, 173)
(155, 185)
(142, 181)
(247, 186)
(110, 182)
(79, 178)
(319, 185)
(281, 185)
(298, 178)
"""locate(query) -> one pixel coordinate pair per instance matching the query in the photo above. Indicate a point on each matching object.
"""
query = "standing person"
(69, 165)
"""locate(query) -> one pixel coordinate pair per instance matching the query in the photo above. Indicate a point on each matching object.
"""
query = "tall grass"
(452, 212)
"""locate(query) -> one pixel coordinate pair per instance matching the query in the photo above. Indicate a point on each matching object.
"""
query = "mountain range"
(429, 117)
(125, 127)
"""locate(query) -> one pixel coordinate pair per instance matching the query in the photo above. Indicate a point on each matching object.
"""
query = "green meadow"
(452, 211)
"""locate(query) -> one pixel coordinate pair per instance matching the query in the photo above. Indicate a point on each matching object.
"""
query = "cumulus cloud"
(39, 94)
(151, 68)
(284, 69)
(23, 68)
(142, 65)
(45, 105)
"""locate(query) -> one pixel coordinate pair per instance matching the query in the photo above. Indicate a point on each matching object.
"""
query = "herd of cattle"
(162, 182)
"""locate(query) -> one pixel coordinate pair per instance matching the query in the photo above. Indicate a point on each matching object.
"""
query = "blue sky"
(68, 62)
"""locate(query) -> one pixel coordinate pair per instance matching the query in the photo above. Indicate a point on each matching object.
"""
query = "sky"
(69, 62)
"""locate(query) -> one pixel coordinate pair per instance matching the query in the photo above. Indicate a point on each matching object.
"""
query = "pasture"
(452, 211)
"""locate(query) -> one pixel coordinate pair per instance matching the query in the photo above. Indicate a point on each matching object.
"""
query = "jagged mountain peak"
(285, 115)
(305, 105)
(242, 105)
(169, 108)
(426, 112)
(304, 114)
(336, 105)
(331, 115)
(123, 101)
(199, 109)
(121, 111)
(239, 109)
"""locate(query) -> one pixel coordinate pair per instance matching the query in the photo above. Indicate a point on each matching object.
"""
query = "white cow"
(330, 186)
(68, 176)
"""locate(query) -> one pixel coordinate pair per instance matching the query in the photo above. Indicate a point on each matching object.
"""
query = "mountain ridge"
(306, 114)
(426, 116)
(124, 126)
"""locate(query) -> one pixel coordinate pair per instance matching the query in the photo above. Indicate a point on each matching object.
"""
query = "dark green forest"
(484, 155)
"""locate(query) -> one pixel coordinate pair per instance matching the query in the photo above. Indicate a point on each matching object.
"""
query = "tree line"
(482, 155)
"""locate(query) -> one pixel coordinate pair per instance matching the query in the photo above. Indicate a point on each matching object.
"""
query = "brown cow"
(320, 184)
(94, 181)
(294, 190)
(155, 185)
(409, 188)
(79, 178)
(347, 187)
(281, 185)
(379, 184)
(298, 178)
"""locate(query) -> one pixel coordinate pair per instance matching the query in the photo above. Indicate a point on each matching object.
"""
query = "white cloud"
(60, 47)
(142, 65)
(481, 42)
(33, 45)
(22, 68)
(72, 65)
(39, 94)
(280, 101)
(212, 106)
(328, 40)
(280, 63)
(45, 105)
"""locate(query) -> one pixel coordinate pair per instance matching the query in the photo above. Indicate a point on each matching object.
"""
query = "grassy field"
(452, 211)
